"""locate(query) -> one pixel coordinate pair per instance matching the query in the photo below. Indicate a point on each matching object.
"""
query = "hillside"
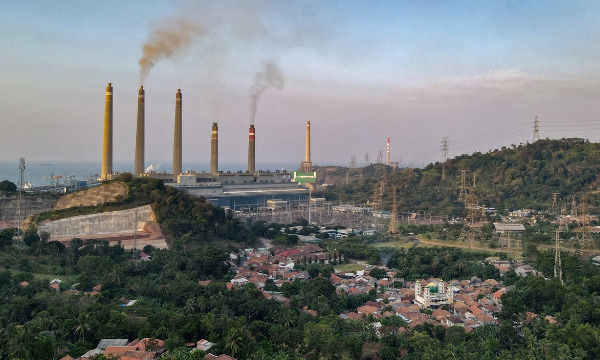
(185, 220)
(523, 176)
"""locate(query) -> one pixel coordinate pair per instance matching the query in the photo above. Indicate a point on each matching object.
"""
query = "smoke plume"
(270, 76)
(152, 168)
(166, 42)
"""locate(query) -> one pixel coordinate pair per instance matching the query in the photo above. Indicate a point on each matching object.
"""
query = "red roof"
(290, 252)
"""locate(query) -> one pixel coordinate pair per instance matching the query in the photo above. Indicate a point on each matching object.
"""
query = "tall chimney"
(306, 165)
(251, 150)
(388, 152)
(107, 145)
(177, 137)
(307, 155)
(138, 167)
(214, 149)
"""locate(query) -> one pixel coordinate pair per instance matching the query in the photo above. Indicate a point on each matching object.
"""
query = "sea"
(39, 173)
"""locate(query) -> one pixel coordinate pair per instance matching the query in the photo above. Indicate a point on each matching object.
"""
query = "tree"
(8, 186)
(378, 273)
(83, 326)
(319, 341)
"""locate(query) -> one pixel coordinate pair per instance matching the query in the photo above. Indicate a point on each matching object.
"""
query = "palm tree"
(17, 343)
(190, 306)
(235, 340)
(83, 327)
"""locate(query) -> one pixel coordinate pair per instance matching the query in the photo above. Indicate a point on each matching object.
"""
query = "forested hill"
(523, 176)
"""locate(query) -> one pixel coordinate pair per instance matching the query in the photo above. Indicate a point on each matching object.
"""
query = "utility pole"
(445, 154)
(536, 128)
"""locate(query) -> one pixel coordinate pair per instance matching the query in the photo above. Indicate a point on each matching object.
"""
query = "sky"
(474, 72)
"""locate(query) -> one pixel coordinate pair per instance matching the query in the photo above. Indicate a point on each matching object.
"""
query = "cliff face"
(112, 192)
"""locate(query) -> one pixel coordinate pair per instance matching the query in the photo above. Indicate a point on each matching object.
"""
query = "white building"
(435, 293)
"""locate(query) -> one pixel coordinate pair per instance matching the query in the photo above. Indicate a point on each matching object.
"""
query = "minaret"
(214, 149)
(138, 167)
(107, 145)
(177, 137)
(306, 165)
(251, 150)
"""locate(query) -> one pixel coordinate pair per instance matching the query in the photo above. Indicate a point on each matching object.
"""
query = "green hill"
(523, 176)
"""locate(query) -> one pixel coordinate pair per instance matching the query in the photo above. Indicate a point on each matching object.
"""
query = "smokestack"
(388, 152)
(214, 149)
(138, 167)
(251, 150)
(307, 155)
(177, 137)
(107, 145)
(306, 165)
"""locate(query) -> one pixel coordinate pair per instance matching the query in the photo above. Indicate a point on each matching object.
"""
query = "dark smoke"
(165, 42)
(270, 76)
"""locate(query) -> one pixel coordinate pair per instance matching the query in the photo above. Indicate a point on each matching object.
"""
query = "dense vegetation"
(39, 323)
(523, 176)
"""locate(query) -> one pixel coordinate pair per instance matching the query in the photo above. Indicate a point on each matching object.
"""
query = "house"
(55, 284)
(453, 321)
(137, 349)
(101, 348)
(525, 270)
(204, 345)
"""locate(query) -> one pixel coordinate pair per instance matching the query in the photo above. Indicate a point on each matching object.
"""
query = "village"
(466, 303)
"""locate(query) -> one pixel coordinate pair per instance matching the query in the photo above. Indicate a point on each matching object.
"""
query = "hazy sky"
(476, 72)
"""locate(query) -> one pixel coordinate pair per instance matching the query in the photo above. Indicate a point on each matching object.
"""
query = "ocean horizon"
(38, 173)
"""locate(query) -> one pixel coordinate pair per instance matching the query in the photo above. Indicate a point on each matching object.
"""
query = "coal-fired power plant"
(251, 150)
(237, 190)
(214, 149)
(107, 144)
(138, 167)
(177, 148)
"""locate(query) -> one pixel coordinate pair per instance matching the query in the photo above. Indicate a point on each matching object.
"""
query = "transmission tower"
(585, 239)
(468, 233)
(554, 205)
(393, 229)
(379, 157)
(366, 159)
(557, 261)
(574, 216)
(352, 161)
(445, 155)
(536, 129)
(463, 185)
